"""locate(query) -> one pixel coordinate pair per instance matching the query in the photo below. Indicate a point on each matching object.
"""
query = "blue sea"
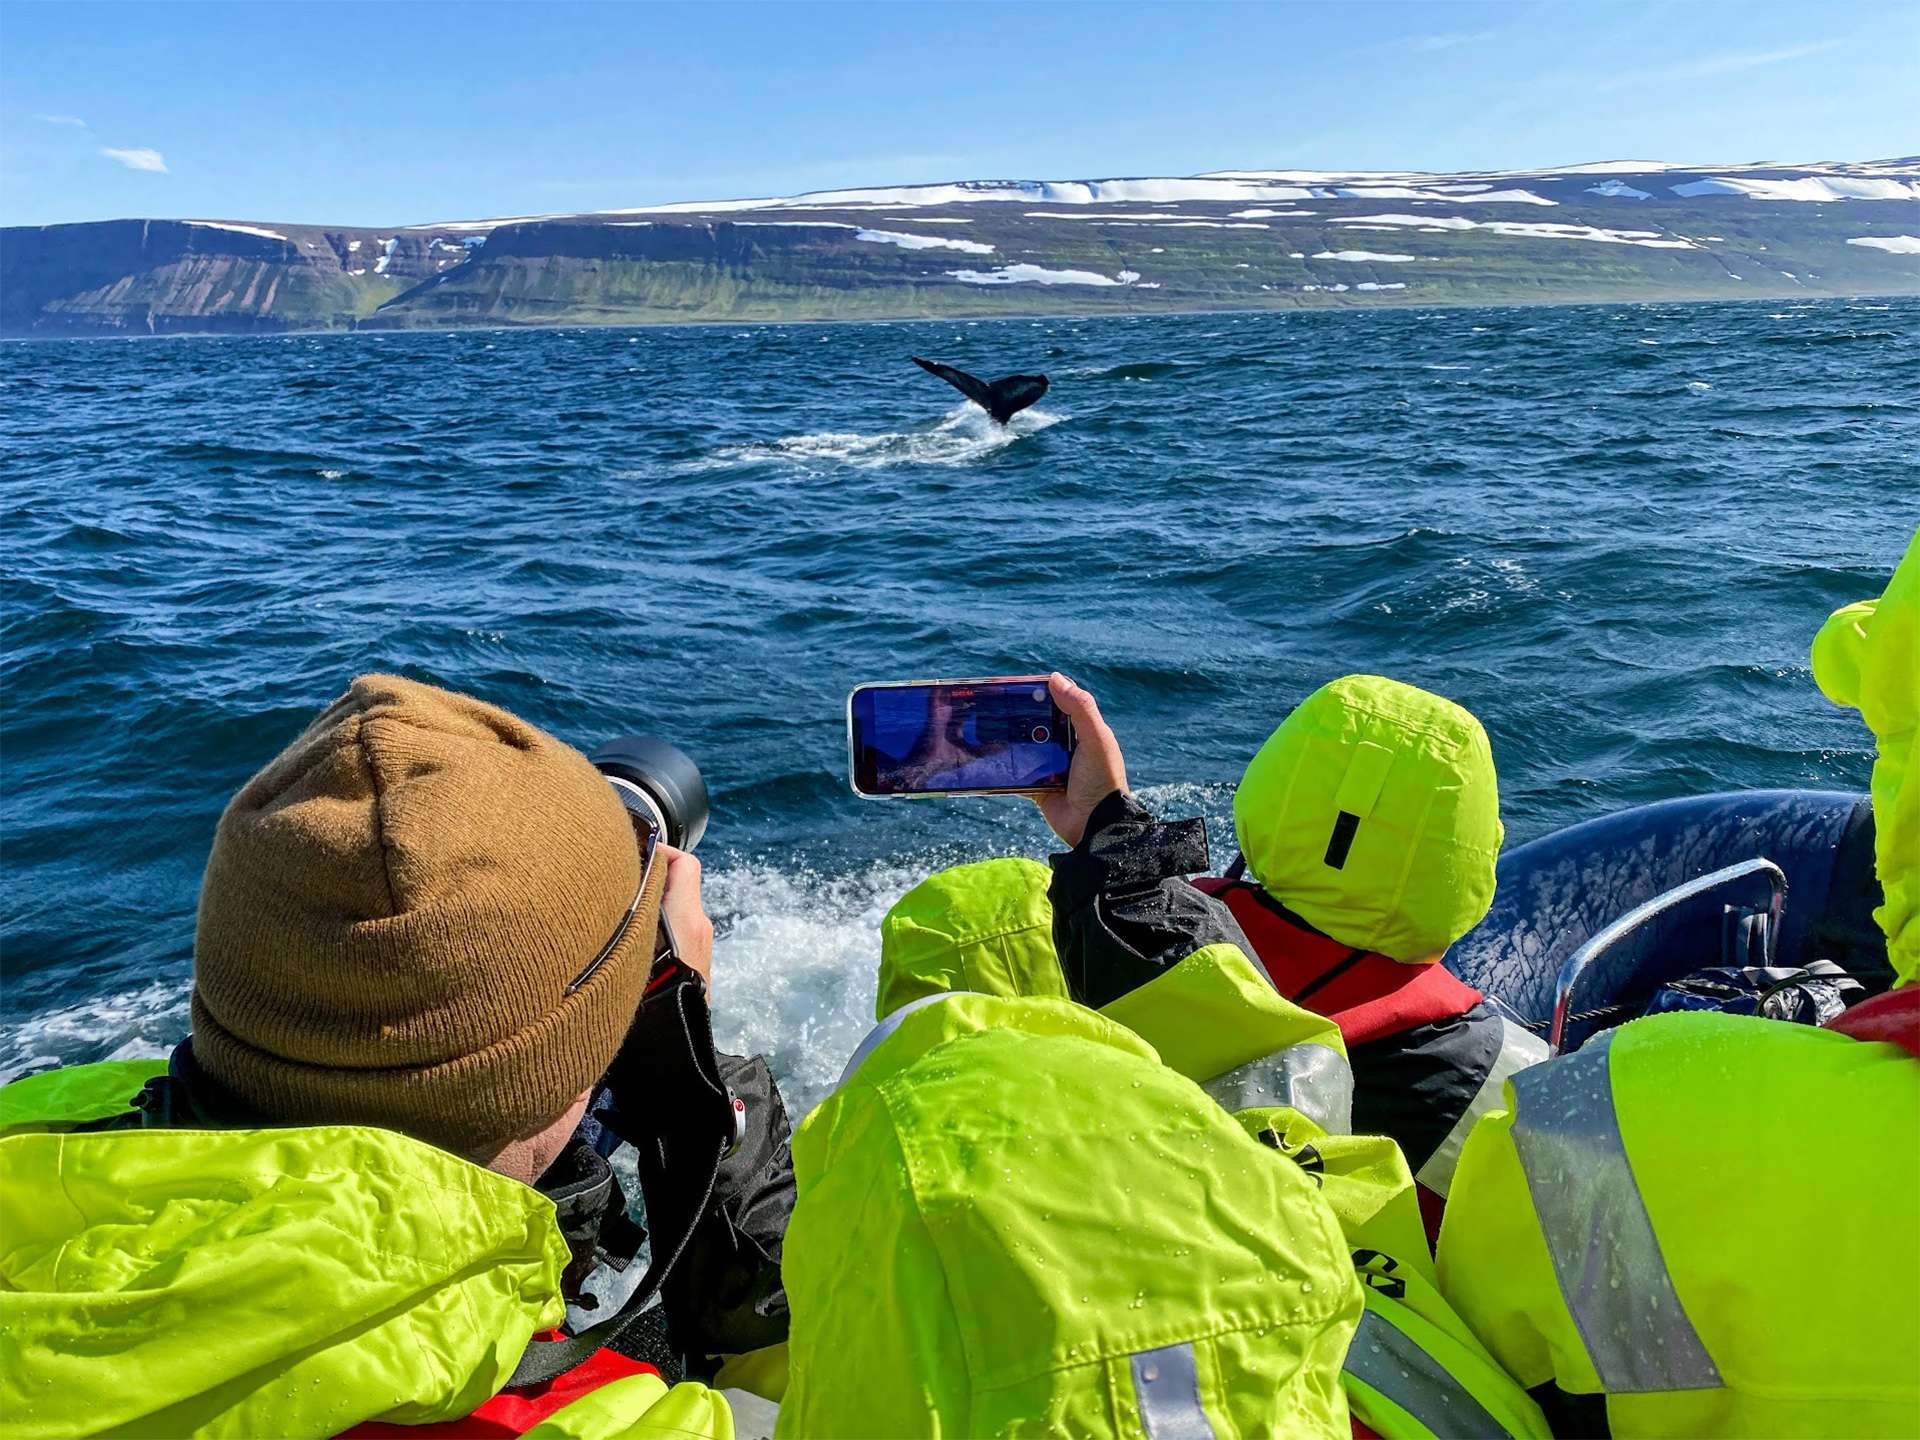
(1610, 531)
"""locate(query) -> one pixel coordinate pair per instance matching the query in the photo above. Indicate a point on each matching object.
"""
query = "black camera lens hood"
(667, 777)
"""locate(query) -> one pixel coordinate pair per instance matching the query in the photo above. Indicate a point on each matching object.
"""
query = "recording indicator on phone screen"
(957, 737)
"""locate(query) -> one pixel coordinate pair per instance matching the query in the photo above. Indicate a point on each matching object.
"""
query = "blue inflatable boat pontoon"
(1588, 922)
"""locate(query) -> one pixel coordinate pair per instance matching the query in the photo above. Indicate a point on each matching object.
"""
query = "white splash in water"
(962, 436)
(138, 1024)
(795, 965)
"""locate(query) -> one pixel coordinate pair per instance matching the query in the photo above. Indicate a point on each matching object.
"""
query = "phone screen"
(958, 737)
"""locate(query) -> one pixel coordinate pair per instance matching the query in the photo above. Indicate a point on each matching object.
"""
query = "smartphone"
(1002, 736)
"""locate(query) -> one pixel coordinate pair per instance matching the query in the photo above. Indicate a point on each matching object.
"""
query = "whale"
(1002, 399)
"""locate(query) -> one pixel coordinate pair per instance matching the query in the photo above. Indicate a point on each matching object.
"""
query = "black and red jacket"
(1428, 1052)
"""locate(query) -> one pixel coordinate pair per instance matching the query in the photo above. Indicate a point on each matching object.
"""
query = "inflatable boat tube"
(1560, 891)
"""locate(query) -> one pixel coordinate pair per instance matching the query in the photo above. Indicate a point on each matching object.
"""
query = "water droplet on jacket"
(1149, 1372)
(1306, 1285)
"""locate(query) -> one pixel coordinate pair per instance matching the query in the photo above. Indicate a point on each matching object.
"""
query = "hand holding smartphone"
(998, 736)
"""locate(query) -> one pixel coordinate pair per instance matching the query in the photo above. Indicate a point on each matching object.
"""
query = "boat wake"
(962, 436)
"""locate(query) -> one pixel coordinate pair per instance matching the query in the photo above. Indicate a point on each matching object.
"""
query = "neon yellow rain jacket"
(1013, 1220)
(270, 1282)
(1867, 656)
(1414, 1370)
(1713, 1220)
(985, 927)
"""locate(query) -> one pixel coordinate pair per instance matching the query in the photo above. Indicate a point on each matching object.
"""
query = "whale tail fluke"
(1003, 399)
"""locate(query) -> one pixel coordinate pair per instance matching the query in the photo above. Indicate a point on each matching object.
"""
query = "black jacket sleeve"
(1123, 912)
(725, 1296)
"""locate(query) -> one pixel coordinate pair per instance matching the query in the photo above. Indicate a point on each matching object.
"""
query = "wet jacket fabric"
(1712, 1220)
(1413, 1370)
(1867, 657)
(1013, 1219)
(1374, 809)
(1213, 1015)
(1429, 1054)
(287, 1282)
(984, 927)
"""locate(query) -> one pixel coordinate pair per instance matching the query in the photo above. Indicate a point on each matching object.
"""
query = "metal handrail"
(1597, 945)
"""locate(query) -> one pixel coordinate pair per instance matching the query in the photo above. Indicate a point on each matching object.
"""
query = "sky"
(353, 112)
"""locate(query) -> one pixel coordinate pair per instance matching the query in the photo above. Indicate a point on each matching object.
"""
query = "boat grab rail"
(1604, 940)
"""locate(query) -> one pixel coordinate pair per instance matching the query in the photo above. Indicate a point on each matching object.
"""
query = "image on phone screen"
(957, 737)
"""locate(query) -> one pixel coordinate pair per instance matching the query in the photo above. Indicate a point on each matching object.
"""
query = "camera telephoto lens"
(659, 782)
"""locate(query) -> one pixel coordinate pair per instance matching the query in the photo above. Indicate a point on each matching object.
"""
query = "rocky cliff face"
(1236, 240)
(183, 276)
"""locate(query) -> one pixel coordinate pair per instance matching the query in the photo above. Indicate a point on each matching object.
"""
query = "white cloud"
(1426, 44)
(137, 159)
(72, 121)
(1726, 62)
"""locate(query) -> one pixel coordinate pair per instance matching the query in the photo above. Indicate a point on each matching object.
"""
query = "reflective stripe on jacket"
(1429, 1055)
(1714, 1220)
(1414, 1369)
(1013, 1219)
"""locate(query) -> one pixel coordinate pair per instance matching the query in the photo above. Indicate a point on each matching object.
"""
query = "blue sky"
(389, 112)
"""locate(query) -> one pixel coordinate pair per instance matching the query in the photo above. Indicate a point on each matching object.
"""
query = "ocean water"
(1611, 531)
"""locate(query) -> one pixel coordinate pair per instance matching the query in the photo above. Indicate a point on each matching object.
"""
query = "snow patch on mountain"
(1619, 190)
(1025, 274)
(238, 229)
(1152, 191)
(1542, 230)
(1362, 257)
(921, 242)
(1892, 244)
(860, 232)
(1814, 188)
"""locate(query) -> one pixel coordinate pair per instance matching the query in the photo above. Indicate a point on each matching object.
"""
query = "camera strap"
(665, 1097)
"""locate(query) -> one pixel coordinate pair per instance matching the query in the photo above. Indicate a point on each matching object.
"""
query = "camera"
(658, 783)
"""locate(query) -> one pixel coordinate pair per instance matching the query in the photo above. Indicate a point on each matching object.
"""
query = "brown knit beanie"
(393, 911)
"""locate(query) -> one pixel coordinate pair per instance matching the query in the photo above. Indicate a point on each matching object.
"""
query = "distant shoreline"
(1393, 306)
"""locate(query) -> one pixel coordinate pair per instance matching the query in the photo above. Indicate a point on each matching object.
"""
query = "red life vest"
(514, 1412)
(1368, 996)
(1893, 1017)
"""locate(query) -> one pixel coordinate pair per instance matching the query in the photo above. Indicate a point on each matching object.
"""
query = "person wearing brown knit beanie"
(366, 1191)
(394, 916)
